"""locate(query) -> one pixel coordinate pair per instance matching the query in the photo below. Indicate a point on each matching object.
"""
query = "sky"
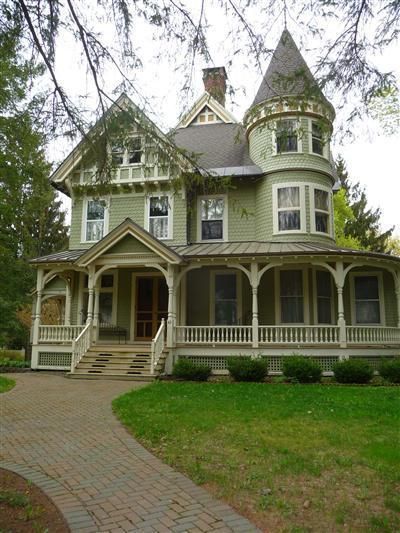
(371, 157)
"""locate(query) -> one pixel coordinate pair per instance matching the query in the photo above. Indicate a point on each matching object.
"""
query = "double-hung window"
(288, 208)
(95, 220)
(135, 151)
(286, 136)
(128, 153)
(226, 299)
(159, 211)
(212, 212)
(117, 154)
(367, 304)
(324, 296)
(291, 297)
(321, 211)
(317, 142)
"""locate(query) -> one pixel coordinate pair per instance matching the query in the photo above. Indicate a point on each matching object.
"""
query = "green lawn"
(291, 458)
(6, 384)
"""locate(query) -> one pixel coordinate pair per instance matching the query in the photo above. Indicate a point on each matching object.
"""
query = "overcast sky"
(371, 157)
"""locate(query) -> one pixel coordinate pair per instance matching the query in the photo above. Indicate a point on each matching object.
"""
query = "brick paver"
(62, 434)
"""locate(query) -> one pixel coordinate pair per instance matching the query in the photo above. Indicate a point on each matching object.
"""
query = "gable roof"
(128, 227)
(287, 74)
(206, 100)
(222, 148)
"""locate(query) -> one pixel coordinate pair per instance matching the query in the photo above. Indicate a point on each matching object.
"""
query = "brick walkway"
(62, 434)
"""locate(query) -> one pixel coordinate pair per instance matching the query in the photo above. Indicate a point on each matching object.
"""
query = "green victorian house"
(156, 271)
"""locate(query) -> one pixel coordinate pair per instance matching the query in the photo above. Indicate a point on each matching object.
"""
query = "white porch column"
(340, 278)
(254, 281)
(397, 290)
(96, 317)
(38, 308)
(89, 314)
(68, 298)
(171, 306)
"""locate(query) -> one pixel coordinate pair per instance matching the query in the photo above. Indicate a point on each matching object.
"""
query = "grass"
(6, 384)
(289, 457)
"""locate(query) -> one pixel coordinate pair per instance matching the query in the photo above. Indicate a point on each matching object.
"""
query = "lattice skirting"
(54, 359)
(374, 362)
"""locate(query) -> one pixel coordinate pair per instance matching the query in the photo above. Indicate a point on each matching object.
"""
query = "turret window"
(289, 206)
(286, 136)
(317, 139)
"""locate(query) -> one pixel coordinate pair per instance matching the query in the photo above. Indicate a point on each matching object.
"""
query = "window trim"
(379, 276)
(196, 120)
(125, 152)
(302, 207)
(299, 137)
(239, 306)
(325, 148)
(312, 188)
(306, 298)
(224, 217)
(315, 297)
(85, 202)
(170, 215)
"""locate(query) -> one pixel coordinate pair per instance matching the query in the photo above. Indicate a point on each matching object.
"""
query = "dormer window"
(129, 154)
(135, 151)
(207, 116)
(286, 136)
(212, 214)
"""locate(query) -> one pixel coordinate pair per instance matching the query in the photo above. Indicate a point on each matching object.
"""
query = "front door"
(151, 305)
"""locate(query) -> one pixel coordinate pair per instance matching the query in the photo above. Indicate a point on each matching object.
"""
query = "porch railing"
(213, 334)
(372, 335)
(157, 346)
(298, 334)
(81, 345)
(57, 334)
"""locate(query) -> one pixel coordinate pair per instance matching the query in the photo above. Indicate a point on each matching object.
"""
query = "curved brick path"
(62, 434)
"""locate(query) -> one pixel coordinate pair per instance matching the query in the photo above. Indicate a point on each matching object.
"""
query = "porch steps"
(127, 362)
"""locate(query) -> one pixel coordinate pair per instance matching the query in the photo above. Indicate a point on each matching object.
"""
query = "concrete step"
(117, 358)
(120, 348)
(119, 377)
(106, 366)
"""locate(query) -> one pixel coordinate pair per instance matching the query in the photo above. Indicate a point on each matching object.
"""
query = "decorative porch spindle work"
(299, 335)
(372, 335)
(56, 334)
(214, 334)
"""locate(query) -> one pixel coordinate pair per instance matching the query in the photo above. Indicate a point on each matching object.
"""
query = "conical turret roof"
(287, 74)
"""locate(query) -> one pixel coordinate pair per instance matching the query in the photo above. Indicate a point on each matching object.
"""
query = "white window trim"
(170, 214)
(325, 149)
(302, 193)
(299, 137)
(306, 299)
(106, 199)
(224, 218)
(330, 210)
(378, 275)
(239, 307)
(125, 153)
(315, 297)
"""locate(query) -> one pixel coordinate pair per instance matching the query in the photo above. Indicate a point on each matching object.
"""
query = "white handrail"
(81, 345)
(157, 346)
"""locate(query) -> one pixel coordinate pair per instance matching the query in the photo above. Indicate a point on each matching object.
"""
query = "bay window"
(212, 211)
(289, 208)
(158, 222)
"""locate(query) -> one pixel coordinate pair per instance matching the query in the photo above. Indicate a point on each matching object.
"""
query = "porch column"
(340, 278)
(171, 306)
(38, 308)
(254, 289)
(89, 314)
(397, 290)
(68, 297)
(96, 317)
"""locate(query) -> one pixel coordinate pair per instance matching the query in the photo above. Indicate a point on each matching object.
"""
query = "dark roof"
(68, 256)
(218, 146)
(287, 74)
(270, 248)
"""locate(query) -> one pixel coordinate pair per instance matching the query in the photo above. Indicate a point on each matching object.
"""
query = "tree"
(31, 219)
(343, 216)
(364, 224)
(345, 64)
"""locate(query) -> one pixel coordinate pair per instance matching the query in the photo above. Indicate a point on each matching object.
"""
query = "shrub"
(390, 370)
(353, 371)
(5, 363)
(301, 369)
(186, 369)
(247, 369)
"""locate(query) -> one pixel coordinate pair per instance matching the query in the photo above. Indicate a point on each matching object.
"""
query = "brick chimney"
(214, 79)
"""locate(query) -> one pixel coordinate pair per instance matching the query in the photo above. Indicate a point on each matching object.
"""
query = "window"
(107, 292)
(212, 219)
(321, 211)
(159, 214)
(286, 136)
(207, 115)
(367, 299)
(95, 226)
(291, 297)
(289, 212)
(135, 151)
(117, 154)
(324, 297)
(317, 142)
(225, 310)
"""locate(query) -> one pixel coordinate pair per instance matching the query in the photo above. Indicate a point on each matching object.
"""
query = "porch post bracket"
(267, 267)
(183, 272)
(100, 272)
(49, 274)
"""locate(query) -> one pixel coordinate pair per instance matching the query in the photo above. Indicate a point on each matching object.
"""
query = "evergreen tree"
(364, 226)
(31, 221)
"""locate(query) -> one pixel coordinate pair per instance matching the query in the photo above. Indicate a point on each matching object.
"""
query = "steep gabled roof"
(206, 100)
(287, 74)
